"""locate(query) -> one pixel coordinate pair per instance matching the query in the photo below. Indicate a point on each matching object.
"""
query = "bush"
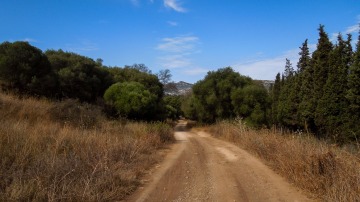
(131, 100)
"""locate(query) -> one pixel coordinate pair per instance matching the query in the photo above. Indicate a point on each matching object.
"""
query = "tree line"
(322, 95)
(131, 92)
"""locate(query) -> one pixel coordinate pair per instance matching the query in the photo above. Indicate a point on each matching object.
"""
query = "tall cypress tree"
(286, 109)
(302, 65)
(353, 94)
(306, 93)
(333, 103)
(321, 65)
(275, 94)
(304, 60)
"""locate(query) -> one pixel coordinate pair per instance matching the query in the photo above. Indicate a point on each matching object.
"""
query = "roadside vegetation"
(321, 96)
(69, 151)
(74, 129)
(324, 170)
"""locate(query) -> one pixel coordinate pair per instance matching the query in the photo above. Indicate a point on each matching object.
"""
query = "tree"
(218, 96)
(304, 60)
(79, 76)
(289, 70)
(26, 69)
(173, 106)
(149, 81)
(141, 68)
(251, 103)
(333, 104)
(275, 95)
(164, 76)
(353, 95)
(287, 105)
(321, 65)
(131, 100)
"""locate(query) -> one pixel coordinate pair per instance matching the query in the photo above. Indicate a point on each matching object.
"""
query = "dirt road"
(202, 168)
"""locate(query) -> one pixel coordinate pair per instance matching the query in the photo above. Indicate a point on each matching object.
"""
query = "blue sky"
(189, 37)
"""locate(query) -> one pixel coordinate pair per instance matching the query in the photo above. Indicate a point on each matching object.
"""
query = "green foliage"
(24, 68)
(353, 95)
(214, 94)
(251, 102)
(323, 95)
(173, 106)
(225, 94)
(79, 77)
(131, 100)
(332, 105)
(59, 74)
(150, 81)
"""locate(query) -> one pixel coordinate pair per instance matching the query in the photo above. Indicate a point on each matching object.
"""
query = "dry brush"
(68, 151)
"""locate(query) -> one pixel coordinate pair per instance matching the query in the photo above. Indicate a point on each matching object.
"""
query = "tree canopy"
(26, 69)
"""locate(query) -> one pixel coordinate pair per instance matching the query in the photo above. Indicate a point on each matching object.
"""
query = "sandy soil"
(201, 168)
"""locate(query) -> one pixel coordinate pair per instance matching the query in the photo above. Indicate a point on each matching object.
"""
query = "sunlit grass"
(326, 171)
(50, 153)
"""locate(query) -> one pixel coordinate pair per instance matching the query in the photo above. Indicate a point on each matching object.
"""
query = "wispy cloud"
(30, 40)
(172, 23)
(82, 46)
(175, 5)
(175, 61)
(182, 44)
(135, 2)
(353, 29)
(267, 68)
(177, 51)
(195, 71)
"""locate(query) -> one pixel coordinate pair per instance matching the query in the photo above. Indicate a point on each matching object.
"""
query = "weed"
(326, 171)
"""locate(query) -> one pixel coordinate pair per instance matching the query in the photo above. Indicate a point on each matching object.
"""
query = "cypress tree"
(353, 94)
(303, 63)
(321, 65)
(333, 103)
(306, 93)
(286, 107)
(276, 89)
(304, 60)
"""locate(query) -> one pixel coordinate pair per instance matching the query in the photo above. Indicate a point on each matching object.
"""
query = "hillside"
(178, 88)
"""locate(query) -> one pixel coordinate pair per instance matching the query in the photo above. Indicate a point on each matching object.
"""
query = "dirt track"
(202, 168)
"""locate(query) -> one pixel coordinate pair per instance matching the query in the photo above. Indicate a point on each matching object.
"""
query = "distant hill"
(178, 88)
(181, 87)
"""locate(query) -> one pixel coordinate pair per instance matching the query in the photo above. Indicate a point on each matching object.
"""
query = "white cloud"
(30, 40)
(352, 29)
(177, 51)
(175, 61)
(178, 44)
(83, 46)
(172, 23)
(175, 5)
(266, 69)
(195, 71)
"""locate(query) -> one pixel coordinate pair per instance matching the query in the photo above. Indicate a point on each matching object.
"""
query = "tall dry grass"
(326, 171)
(68, 151)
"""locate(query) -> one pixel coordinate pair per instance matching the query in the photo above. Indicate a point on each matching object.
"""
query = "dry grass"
(326, 171)
(69, 152)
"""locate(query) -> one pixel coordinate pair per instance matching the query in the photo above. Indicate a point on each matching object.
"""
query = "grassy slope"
(326, 171)
(70, 152)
